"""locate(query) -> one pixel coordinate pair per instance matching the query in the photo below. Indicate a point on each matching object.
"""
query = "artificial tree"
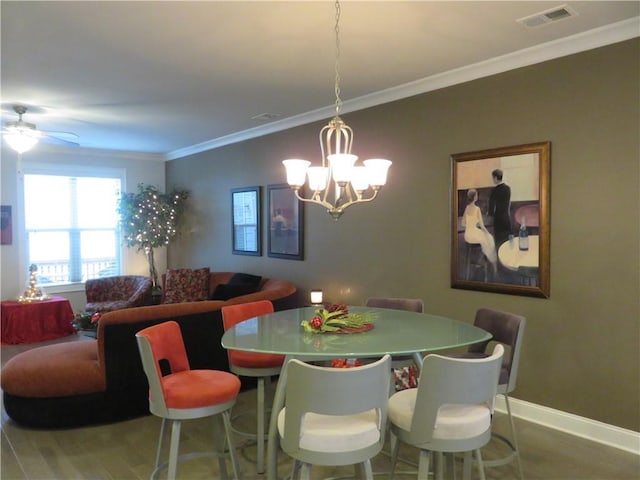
(149, 220)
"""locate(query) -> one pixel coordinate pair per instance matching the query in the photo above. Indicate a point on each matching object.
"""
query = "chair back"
(234, 314)
(458, 381)
(334, 391)
(409, 304)
(507, 329)
(162, 352)
(249, 363)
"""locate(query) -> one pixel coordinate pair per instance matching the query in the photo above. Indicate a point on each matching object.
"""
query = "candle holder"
(316, 297)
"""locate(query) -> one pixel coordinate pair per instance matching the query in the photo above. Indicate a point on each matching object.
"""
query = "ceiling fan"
(22, 136)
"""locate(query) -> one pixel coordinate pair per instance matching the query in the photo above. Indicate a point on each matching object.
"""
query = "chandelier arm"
(322, 203)
(360, 200)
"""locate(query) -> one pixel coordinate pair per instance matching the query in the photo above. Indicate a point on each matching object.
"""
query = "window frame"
(66, 171)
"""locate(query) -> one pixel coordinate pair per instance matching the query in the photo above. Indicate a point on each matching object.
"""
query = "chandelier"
(339, 182)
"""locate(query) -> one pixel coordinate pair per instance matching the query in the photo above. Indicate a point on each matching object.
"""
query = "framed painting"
(6, 230)
(245, 218)
(285, 224)
(500, 220)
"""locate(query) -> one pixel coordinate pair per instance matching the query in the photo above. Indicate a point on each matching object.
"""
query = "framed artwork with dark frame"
(500, 220)
(6, 231)
(285, 225)
(245, 219)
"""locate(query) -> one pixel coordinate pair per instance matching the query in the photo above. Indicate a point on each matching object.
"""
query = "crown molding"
(91, 152)
(598, 37)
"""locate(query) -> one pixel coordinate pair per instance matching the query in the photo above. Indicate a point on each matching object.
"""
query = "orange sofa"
(100, 381)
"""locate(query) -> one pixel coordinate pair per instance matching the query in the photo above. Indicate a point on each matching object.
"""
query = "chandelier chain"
(337, 64)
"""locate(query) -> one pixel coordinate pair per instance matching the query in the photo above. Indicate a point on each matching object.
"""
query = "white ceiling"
(175, 78)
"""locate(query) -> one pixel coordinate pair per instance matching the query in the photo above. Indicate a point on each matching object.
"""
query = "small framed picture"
(245, 218)
(285, 224)
(500, 220)
(6, 231)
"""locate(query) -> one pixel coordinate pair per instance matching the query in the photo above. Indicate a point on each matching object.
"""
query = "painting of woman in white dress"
(486, 253)
(476, 232)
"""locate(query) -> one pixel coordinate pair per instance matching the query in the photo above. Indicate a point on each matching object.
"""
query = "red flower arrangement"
(336, 318)
(86, 320)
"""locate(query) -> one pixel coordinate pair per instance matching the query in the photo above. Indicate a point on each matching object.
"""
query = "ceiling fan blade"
(60, 138)
(28, 130)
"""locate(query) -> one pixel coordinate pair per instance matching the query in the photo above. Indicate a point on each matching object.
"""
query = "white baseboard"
(606, 434)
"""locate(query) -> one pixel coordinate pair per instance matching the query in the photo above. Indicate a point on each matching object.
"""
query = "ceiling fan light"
(20, 141)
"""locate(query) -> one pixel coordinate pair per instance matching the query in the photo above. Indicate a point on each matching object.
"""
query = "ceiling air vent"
(552, 15)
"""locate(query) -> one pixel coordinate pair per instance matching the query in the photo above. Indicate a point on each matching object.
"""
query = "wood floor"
(126, 451)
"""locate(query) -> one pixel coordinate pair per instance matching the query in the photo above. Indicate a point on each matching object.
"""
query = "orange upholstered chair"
(260, 365)
(178, 393)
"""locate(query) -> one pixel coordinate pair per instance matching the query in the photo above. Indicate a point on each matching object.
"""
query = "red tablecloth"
(36, 321)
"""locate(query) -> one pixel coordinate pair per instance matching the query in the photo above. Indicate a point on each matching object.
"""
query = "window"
(71, 224)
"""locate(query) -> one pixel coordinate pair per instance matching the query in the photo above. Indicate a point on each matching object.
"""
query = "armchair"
(114, 293)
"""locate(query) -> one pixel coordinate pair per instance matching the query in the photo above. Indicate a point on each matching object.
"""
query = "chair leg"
(295, 472)
(451, 464)
(514, 437)
(395, 448)
(306, 471)
(363, 470)
(233, 454)
(466, 466)
(423, 465)
(160, 446)
(173, 449)
(438, 464)
(480, 464)
(219, 444)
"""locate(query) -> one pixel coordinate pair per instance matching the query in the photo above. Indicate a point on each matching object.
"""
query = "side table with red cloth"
(35, 321)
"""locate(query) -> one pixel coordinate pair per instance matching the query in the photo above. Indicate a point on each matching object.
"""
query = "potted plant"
(87, 322)
(149, 220)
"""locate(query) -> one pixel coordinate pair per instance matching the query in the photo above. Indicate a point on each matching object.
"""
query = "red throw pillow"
(186, 285)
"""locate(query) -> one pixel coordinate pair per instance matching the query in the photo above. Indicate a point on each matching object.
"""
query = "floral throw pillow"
(186, 285)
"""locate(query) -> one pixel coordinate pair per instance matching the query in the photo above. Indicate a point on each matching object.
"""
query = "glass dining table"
(394, 332)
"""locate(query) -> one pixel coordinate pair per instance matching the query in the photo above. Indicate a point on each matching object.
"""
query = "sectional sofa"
(91, 381)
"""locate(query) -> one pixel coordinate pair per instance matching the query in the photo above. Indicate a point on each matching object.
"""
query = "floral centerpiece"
(337, 319)
(86, 320)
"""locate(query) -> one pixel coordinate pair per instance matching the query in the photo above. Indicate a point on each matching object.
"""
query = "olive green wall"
(582, 345)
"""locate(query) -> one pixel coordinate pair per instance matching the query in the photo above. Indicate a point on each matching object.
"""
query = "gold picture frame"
(500, 220)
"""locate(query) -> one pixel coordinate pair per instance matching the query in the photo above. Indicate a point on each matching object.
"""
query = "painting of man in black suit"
(500, 207)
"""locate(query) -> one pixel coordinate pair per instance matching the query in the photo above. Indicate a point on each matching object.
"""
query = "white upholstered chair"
(449, 412)
(334, 416)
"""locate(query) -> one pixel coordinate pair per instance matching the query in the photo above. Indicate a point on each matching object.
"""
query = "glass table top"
(395, 332)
